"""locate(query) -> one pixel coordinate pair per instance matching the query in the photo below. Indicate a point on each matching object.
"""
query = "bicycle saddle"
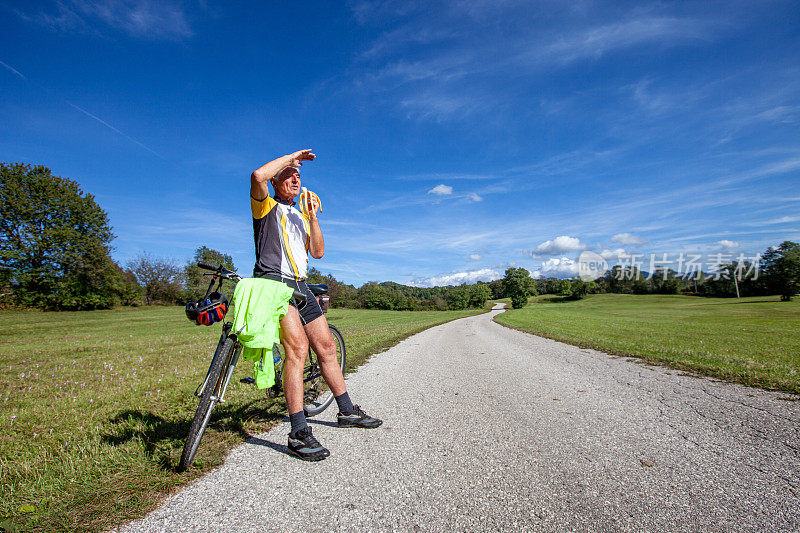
(318, 290)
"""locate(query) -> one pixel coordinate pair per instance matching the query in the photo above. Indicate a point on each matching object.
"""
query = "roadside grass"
(754, 341)
(96, 407)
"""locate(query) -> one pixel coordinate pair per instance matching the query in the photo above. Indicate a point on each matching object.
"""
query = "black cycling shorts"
(310, 310)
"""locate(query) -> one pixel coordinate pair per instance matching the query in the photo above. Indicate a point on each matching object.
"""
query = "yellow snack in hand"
(305, 201)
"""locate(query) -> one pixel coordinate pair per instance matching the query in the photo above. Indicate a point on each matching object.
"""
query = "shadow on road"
(281, 448)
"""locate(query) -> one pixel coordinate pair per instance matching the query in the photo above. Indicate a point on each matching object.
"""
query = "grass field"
(96, 406)
(755, 341)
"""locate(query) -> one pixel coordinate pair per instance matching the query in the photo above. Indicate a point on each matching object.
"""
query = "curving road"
(487, 428)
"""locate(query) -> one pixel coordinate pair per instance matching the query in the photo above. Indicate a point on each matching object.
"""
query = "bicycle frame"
(215, 384)
(218, 275)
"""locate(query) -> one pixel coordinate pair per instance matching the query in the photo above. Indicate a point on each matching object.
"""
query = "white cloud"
(597, 41)
(148, 19)
(628, 239)
(457, 278)
(782, 220)
(474, 197)
(475, 257)
(557, 267)
(559, 245)
(441, 190)
(449, 80)
(613, 254)
(725, 243)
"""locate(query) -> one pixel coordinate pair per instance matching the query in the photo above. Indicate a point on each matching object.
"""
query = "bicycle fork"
(225, 378)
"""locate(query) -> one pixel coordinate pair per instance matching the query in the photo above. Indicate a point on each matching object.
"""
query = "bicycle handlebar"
(207, 266)
(227, 274)
(219, 270)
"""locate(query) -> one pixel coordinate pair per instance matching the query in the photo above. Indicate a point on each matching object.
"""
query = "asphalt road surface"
(487, 428)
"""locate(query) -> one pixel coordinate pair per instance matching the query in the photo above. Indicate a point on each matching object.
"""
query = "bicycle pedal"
(248, 381)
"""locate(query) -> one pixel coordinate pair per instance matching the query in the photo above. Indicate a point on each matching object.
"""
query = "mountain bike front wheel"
(316, 395)
(212, 392)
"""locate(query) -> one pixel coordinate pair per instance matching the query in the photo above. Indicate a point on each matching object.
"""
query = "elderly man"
(283, 237)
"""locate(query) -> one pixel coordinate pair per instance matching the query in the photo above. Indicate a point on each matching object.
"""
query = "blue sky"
(453, 138)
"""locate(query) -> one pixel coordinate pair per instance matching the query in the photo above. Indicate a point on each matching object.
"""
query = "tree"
(576, 288)
(549, 285)
(376, 296)
(663, 281)
(478, 294)
(457, 297)
(130, 292)
(782, 269)
(497, 289)
(160, 278)
(341, 294)
(564, 288)
(196, 282)
(518, 285)
(345, 296)
(54, 241)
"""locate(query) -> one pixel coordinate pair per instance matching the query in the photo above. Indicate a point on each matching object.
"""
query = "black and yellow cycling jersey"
(281, 234)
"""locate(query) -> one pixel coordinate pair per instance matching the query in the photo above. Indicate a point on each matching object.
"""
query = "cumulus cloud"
(725, 243)
(613, 254)
(475, 257)
(441, 190)
(563, 267)
(457, 278)
(559, 245)
(628, 239)
(474, 197)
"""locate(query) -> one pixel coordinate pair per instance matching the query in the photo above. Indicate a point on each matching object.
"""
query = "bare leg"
(324, 346)
(295, 342)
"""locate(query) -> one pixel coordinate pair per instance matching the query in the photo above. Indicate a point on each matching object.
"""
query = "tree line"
(778, 273)
(55, 253)
(55, 244)
(397, 297)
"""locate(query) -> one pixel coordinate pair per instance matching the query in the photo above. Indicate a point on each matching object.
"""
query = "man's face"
(287, 184)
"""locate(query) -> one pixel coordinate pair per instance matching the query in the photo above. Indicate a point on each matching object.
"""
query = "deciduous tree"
(160, 278)
(54, 241)
(518, 285)
(782, 269)
(196, 282)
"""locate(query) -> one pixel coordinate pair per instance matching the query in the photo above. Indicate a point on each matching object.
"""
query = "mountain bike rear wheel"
(208, 399)
(316, 395)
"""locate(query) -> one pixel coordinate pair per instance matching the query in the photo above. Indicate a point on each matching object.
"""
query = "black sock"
(298, 421)
(344, 403)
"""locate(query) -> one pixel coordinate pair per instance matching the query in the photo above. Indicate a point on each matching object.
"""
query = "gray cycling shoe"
(359, 419)
(304, 446)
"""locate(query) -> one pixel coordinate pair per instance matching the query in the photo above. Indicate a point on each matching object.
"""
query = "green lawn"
(755, 341)
(95, 407)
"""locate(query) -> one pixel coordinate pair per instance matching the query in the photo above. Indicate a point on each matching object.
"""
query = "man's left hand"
(313, 204)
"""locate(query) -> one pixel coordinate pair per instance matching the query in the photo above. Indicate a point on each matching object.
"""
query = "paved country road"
(487, 428)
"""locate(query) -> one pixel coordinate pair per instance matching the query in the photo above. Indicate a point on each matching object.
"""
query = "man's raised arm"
(259, 179)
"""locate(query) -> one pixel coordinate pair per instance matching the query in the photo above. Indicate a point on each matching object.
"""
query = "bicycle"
(316, 396)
